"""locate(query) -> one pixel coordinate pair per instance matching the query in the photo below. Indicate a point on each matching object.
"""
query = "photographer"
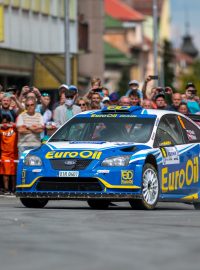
(28, 91)
(96, 87)
(190, 92)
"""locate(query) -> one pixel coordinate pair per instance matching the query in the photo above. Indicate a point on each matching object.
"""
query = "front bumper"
(78, 196)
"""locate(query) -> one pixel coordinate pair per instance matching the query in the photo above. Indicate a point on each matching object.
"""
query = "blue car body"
(82, 169)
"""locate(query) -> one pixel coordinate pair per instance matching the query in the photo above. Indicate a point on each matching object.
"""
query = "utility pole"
(67, 44)
(155, 36)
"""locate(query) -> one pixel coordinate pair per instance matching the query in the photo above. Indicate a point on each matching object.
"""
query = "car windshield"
(125, 129)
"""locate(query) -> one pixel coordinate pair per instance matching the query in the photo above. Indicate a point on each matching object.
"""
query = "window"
(169, 132)
(83, 31)
(125, 129)
(192, 133)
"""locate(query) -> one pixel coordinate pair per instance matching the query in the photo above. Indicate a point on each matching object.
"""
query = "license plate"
(68, 174)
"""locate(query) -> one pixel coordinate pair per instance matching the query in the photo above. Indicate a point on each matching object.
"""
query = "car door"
(174, 162)
(192, 151)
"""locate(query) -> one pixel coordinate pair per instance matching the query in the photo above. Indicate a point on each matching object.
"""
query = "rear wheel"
(197, 205)
(34, 203)
(98, 204)
(150, 189)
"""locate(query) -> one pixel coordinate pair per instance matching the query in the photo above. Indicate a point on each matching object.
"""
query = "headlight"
(31, 160)
(116, 161)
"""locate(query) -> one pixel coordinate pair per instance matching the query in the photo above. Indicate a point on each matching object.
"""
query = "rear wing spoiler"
(195, 118)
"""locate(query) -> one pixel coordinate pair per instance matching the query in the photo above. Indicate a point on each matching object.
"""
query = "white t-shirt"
(30, 139)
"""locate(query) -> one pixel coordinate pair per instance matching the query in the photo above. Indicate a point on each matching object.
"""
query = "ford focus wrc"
(120, 153)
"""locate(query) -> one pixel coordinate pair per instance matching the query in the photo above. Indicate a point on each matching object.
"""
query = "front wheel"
(150, 189)
(98, 204)
(196, 205)
(34, 203)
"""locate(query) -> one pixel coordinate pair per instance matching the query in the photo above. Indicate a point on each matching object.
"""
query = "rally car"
(119, 153)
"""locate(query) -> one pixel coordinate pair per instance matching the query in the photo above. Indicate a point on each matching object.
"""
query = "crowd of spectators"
(28, 116)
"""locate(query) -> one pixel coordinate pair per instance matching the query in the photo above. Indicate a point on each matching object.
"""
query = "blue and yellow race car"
(119, 153)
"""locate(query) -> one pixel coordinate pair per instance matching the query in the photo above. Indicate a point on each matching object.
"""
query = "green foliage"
(123, 83)
(192, 76)
(168, 58)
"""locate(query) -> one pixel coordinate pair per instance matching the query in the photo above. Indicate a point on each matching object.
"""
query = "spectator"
(84, 104)
(95, 106)
(114, 98)
(176, 100)
(106, 101)
(192, 104)
(95, 101)
(61, 91)
(29, 125)
(96, 83)
(105, 92)
(30, 92)
(66, 111)
(46, 113)
(135, 98)
(147, 104)
(160, 101)
(5, 107)
(43, 108)
(96, 87)
(134, 86)
(183, 108)
(125, 101)
(9, 156)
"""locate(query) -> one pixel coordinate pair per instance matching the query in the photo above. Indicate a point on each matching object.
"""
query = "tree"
(192, 76)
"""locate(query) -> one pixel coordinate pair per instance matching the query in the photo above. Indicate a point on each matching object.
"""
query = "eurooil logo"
(73, 154)
(184, 177)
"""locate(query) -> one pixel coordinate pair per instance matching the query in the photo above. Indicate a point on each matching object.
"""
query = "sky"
(182, 12)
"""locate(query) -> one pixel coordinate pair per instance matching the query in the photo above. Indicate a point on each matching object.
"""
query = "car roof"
(129, 110)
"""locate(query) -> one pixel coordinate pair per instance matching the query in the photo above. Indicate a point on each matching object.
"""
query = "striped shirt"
(30, 139)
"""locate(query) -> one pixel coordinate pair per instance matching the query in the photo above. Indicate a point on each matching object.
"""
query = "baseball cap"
(189, 84)
(73, 88)
(159, 95)
(105, 99)
(133, 82)
(63, 86)
(114, 96)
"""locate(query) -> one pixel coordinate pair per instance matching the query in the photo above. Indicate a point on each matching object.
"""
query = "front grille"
(61, 164)
(68, 184)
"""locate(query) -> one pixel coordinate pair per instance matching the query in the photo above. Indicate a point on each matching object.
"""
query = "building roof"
(110, 22)
(188, 46)
(120, 11)
(146, 6)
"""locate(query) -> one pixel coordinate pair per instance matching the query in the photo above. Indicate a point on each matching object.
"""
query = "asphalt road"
(68, 235)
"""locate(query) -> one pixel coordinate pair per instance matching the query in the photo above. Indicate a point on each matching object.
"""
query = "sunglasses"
(81, 104)
(45, 95)
(30, 105)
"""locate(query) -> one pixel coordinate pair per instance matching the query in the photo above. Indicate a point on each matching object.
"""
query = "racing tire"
(196, 205)
(150, 189)
(98, 204)
(34, 203)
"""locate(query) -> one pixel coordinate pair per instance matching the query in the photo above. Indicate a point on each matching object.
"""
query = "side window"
(169, 131)
(192, 133)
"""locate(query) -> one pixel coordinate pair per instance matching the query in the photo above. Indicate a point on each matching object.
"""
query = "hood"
(94, 150)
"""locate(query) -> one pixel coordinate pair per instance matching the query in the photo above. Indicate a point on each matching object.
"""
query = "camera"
(154, 77)
(97, 90)
(31, 89)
